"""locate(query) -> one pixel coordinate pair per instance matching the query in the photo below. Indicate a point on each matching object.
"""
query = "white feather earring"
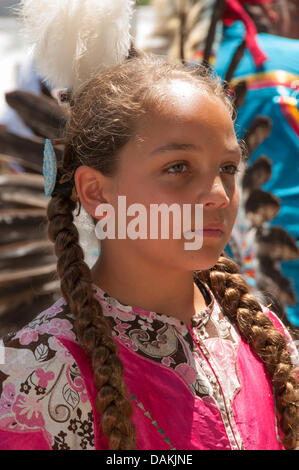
(89, 243)
(73, 39)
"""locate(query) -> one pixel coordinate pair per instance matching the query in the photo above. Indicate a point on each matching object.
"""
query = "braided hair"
(103, 118)
(233, 294)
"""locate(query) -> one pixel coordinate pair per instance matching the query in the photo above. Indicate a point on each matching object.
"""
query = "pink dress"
(192, 388)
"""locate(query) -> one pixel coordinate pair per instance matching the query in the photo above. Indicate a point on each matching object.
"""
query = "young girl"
(155, 347)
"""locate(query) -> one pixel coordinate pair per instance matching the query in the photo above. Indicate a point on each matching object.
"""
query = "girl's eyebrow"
(180, 146)
(175, 146)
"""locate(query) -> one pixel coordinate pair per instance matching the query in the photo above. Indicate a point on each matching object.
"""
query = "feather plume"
(73, 39)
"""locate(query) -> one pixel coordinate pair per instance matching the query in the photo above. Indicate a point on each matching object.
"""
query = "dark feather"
(239, 94)
(41, 114)
(271, 279)
(29, 198)
(18, 275)
(236, 59)
(261, 206)
(25, 248)
(257, 132)
(257, 174)
(277, 244)
(22, 180)
(29, 149)
(24, 230)
(217, 15)
(27, 166)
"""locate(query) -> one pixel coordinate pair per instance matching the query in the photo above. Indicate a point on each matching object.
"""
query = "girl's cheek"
(232, 191)
(236, 196)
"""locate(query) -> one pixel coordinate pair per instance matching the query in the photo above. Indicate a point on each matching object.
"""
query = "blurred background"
(253, 45)
(14, 50)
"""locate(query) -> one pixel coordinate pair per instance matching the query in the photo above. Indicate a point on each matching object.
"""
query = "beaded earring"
(56, 181)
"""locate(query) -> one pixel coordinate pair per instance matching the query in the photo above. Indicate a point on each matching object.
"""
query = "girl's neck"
(171, 293)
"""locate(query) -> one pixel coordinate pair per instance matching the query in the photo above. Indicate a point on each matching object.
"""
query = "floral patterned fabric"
(45, 393)
(41, 384)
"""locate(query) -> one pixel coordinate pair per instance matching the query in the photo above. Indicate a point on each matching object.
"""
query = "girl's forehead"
(178, 89)
(204, 127)
(185, 108)
(176, 95)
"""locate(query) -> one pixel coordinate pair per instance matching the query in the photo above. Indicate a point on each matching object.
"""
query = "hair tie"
(56, 180)
(64, 96)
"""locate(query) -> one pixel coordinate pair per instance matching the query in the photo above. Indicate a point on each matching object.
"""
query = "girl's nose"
(215, 195)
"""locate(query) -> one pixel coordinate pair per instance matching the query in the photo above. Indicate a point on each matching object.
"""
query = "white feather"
(73, 39)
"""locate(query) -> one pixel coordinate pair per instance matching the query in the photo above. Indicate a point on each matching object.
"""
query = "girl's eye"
(229, 169)
(176, 166)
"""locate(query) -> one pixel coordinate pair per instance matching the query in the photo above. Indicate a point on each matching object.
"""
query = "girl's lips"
(212, 232)
(218, 227)
(207, 232)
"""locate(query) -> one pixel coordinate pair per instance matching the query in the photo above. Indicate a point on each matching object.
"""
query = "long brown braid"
(233, 294)
(103, 118)
(93, 331)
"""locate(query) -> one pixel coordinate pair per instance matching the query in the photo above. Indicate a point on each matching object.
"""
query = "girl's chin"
(202, 263)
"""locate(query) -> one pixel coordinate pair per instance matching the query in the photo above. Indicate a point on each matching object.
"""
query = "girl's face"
(185, 152)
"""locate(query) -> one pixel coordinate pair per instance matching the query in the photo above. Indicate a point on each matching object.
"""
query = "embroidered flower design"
(145, 325)
(62, 354)
(86, 427)
(181, 327)
(7, 398)
(167, 361)
(40, 390)
(84, 397)
(34, 323)
(121, 327)
(58, 326)
(224, 357)
(83, 428)
(60, 443)
(25, 388)
(187, 373)
(26, 336)
(51, 311)
(201, 333)
(73, 425)
(128, 342)
(112, 307)
(146, 314)
(224, 329)
(28, 411)
(17, 361)
(79, 385)
(148, 318)
(44, 377)
(54, 309)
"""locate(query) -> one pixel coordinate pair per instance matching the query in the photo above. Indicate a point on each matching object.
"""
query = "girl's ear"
(90, 185)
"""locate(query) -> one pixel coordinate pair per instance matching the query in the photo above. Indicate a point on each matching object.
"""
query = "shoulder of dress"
(56, 321)
(39, 344)
(42, 387)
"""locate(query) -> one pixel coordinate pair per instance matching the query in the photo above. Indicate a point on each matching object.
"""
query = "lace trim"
(199, 318)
